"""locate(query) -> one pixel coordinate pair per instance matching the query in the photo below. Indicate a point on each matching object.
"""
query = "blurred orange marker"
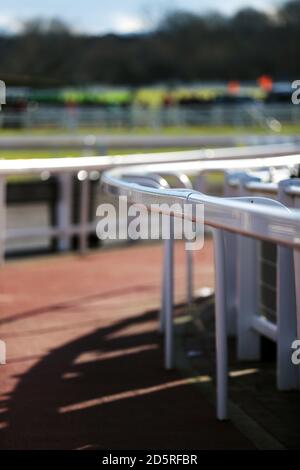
(265, 82)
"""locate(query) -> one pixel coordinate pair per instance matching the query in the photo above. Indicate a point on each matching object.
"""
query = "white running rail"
(248, 217)
(251, 219)
(66, 168)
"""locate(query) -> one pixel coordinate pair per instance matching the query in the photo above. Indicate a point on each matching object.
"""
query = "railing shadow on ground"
(64, 305)
(108, 390)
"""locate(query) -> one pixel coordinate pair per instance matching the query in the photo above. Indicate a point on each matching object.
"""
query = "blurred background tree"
(182, 47)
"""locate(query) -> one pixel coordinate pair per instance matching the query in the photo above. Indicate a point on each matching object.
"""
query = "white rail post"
(287, 377)
(221, 325)
(297, 283)
(248, 274)
(297, 276)
(247, 302)
(169, 296)
(162, 313)
(230, 241)
(231, 248)
(84, 211)
(2, 218)
(64, 210)
(288, 302)
(184, 181)
(200, 183)
(248, 341)
(189, 277)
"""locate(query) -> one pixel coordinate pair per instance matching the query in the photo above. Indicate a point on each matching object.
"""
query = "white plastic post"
(200, 183)
(64, 210)
(189, 277)
(2, 218)
(287, 373)
(231, 248)
(221, 325)
(297, 283)
(288, 302)
(247, 293)
(84, 213)
(248, 342)
(230, 240)
(162, 312)
(297, 278)
(169, 295)
(183, 181)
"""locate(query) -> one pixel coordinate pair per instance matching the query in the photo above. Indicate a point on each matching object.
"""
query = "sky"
(120, 16)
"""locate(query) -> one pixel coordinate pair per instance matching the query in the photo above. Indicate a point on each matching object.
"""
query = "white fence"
(102, 143)
(267, 116)
(84, 167)
(247, 217)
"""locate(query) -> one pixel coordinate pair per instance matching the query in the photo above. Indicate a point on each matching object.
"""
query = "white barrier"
(153, 141)
(268, 116)
(64, 168)
(251, 218)
(251, 323)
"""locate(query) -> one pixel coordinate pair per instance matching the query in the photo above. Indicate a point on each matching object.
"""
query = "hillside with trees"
(182, 47)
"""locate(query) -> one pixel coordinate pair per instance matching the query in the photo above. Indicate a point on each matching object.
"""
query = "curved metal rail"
(250, 218)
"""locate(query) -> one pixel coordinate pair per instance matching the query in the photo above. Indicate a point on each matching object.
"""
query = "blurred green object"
(151, 96)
